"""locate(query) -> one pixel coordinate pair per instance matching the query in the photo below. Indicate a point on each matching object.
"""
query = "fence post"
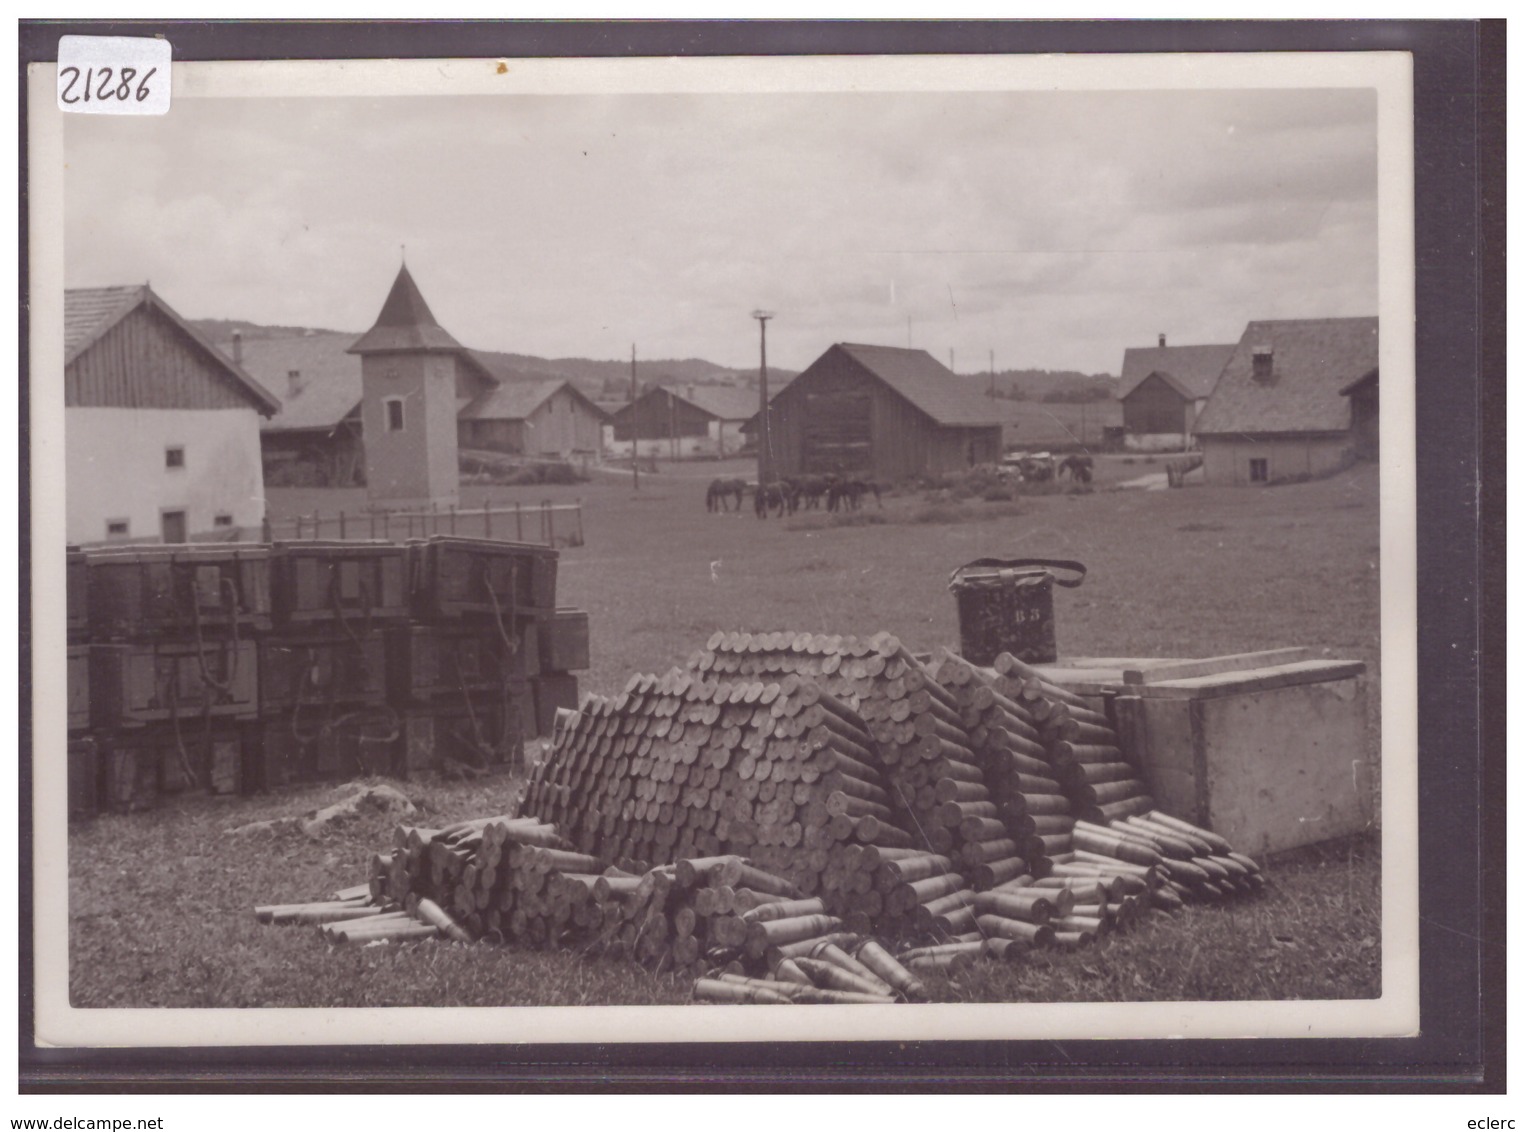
(452, 518)
(547, 523)
(518, 521)
(265, 532)
(342, 528)
(487, 518)
(386, 525)
(579, 522)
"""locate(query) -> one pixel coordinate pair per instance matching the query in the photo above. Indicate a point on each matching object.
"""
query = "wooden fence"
(545, 524)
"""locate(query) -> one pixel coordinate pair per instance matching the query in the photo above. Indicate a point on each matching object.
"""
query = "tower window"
(116, 528)
(394, 414)
(223, 520)
(1260, 470)
(174, 457)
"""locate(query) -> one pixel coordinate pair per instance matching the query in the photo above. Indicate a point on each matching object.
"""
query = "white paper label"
(105, 74)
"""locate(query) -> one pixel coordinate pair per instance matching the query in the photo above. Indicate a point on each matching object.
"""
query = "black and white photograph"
(926, 541)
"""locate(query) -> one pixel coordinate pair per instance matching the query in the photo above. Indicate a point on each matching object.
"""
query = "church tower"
(408, 373)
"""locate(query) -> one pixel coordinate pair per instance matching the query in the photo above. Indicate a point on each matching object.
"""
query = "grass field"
(160, 904)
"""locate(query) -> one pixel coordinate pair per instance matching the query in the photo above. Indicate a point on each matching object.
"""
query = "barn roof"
(724, 402)
(89, 312)
(405, 323)
(330, 377)
(923, 381)
(518, 400)
(1312, 361)
(1191, 371)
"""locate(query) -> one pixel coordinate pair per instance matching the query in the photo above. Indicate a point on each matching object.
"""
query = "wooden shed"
(161, 429)
(882, 411)
(1163, 388)
(680, 421)
(1364, 416)
(534, 418)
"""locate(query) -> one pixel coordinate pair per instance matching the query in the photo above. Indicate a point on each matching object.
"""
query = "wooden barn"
(1278, 411)
(547, 419)
(161, 429)
(881, 411)
(315, 439)
(682, 421)
(1364, 416)
(1163, 389)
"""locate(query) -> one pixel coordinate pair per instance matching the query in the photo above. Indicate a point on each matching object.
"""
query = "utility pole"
(951, 367)
(765, 435)
(992, 373)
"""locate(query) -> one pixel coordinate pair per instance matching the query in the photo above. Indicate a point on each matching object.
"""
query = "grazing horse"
(1079, 468)
(770, 497)
(721, 490)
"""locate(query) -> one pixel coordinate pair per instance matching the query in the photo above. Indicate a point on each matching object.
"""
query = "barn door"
(837, 433)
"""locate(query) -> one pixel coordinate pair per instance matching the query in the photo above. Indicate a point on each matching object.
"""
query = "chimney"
(1162, 341)
(238, 347)
(1262, 363)
(293, 382)
(689, 392)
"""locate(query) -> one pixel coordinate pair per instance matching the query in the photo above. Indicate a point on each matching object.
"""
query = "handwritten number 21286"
(104, 90)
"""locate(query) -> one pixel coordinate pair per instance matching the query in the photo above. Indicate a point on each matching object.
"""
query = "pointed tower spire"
(405, 323)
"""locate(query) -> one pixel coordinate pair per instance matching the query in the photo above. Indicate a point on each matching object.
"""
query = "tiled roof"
(330, 377)
(925, 382)
(1312, 361)
(405, 323)
(89, 312)
(725, 403)
(1191, 370)
(518, 400)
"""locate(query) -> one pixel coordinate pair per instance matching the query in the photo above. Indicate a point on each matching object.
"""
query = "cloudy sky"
(1054, 228)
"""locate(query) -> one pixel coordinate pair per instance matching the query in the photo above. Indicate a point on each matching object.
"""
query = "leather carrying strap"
(1022, 563)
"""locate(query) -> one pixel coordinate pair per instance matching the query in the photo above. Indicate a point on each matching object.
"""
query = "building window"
(394, 414)
(222, 520)
(174, 457)
(116, 528)
(1260, 471)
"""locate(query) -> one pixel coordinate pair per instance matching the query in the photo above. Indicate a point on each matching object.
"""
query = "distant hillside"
(594, 377)
(222, 329)
(1046, 384)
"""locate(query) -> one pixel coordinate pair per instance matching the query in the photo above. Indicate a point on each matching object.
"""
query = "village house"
(1163, 389)
(544, 419)
(1282, 408)
(682, 421)
(882, 411)
(161, 429)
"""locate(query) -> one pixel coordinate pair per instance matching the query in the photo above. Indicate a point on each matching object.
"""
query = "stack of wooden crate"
(173, 667)
(235, 667)
(324, 695)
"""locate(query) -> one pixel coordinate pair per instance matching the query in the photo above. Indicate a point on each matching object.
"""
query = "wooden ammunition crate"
(552, 691)
(564, 641)
(358, 583)
(453, 659)
(136, 684)
(210, 589)
(455, 577)
(84, 777)
(1267, 749)
(478, 732)
(313, 670)
(77, 599)
(359, 740)
(79, 687)
(213, 763)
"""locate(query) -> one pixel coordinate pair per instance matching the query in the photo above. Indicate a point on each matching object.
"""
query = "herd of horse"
(793, 493)
(847, 493)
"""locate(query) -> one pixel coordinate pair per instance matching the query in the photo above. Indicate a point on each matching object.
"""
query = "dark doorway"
(172, 525)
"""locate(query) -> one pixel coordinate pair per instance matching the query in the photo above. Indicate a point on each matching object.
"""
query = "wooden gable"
(146, 360)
